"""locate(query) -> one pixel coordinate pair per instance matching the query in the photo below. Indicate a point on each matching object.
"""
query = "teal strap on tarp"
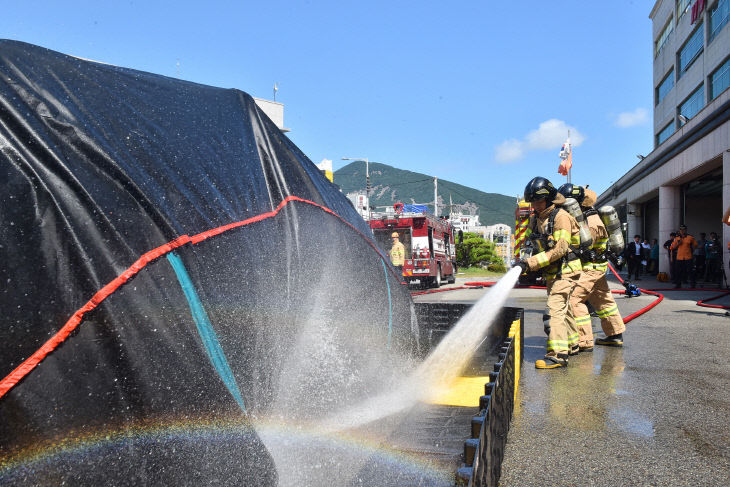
(205, 329)
(390, 307)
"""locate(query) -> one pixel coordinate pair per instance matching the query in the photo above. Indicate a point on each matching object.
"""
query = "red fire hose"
(653, 292)
(626, 319)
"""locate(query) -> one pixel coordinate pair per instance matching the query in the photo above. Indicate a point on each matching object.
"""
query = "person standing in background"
(670, 254)
(654, 257)
(645, 250)
(633, 257)
(684, 244)
(713, 254)
(699, 256)
(397, 252)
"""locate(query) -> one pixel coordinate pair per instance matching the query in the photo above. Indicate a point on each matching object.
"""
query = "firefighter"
(592, 285)
(552, 232)
(397, 252)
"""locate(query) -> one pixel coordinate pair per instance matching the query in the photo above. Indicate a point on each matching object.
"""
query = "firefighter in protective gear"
(553, 232)
(397, 252)
(592, 285)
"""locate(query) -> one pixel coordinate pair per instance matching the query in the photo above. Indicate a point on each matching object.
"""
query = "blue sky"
(481, 93)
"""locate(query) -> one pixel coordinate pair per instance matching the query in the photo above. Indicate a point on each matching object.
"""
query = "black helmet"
(538, 189)
(573, 191)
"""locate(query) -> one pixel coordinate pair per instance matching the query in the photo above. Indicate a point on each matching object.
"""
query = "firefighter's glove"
(546, 323)
(523, 265)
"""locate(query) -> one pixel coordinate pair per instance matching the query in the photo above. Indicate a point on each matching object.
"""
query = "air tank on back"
(573, 208)
(609, 217)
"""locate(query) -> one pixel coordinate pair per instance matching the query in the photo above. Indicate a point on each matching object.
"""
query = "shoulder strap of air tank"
(551, 220)
(590, 211)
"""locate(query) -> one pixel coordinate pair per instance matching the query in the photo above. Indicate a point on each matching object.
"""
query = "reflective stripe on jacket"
(600, 240)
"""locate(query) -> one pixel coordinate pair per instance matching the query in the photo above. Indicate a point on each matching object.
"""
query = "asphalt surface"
(655, 412)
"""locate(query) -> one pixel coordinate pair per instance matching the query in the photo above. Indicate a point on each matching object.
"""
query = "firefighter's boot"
(552, 362)
(611, 341)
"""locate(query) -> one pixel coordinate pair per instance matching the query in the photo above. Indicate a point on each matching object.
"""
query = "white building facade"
(686, 178)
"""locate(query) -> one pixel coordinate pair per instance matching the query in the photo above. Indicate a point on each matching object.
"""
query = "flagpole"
(571, 157)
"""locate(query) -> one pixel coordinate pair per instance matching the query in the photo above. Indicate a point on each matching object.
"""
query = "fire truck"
(522, 219)
(430, 253)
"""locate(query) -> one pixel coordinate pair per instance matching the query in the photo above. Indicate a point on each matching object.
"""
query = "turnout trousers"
(563, 330)
(593, 287)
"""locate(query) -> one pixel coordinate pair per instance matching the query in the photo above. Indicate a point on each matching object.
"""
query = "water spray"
(441, 366)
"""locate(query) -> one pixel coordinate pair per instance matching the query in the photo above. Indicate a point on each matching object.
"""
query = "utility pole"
(436, 197)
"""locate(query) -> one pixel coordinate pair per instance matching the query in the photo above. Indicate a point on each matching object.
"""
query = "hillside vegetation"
(391, 185)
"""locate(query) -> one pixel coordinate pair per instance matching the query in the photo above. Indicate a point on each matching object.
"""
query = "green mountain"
(389, 185)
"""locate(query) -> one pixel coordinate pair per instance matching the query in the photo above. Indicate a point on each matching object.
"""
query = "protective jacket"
(397, 254)
(555, 257)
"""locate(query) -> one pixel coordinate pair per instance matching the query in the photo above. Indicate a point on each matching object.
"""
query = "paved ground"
(655, 412)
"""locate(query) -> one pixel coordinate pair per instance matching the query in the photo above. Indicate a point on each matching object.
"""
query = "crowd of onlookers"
(690, 259)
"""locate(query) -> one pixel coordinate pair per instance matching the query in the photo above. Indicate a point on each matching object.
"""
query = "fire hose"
(653, 292)
(627, 319)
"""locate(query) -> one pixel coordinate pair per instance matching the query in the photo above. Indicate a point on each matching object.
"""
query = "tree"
(474, 250)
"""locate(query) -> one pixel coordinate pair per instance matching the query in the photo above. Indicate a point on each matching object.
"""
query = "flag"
(566, 158)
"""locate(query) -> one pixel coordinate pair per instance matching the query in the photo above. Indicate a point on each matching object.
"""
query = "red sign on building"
(697, 9)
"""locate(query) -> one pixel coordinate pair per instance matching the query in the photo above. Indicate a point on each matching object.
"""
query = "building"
(686, 178)
(467, 223)
(361, 202)
(501, 235)
(274, 110)
(326, 167)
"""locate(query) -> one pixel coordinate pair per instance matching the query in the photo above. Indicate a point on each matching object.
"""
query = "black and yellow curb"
(484, 451)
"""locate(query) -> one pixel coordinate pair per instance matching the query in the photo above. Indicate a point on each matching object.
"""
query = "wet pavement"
(655, 412)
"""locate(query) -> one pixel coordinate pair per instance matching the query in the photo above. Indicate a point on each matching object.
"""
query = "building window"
(662, 39)
(692, 48)
(683, 6)
(693, 104)
(720, 79)
(665, 86)
(719, 17)
(665, 133)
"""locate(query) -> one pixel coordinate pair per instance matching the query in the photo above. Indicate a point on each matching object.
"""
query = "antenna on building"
(276, 88)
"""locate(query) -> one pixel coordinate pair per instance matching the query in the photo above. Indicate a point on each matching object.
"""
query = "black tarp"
(100, 165)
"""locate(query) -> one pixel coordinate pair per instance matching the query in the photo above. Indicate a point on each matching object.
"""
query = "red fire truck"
(522, 219)
(430, 253)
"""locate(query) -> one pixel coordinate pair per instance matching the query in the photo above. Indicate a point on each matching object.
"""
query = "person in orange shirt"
(684, 244)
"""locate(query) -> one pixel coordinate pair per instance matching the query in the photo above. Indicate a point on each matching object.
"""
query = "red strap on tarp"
(31, 362)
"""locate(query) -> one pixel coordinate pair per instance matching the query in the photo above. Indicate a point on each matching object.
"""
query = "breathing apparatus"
(615, 246)
(572, 206)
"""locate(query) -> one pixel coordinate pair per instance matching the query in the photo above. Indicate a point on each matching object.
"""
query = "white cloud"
(510, 150)
(550, 134)
(631, 119)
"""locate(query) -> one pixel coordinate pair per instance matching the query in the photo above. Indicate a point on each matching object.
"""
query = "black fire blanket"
(172, 270)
